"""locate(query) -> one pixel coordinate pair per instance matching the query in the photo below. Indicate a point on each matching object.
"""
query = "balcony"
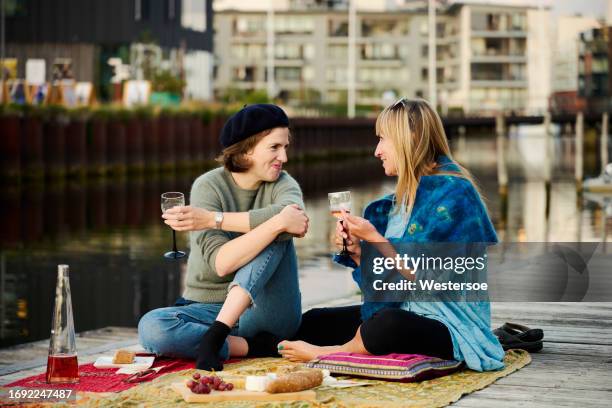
(498, 83)
(499, 58)
(498, 34)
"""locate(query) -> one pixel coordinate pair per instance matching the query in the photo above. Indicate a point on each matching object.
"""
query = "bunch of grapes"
(203, 385)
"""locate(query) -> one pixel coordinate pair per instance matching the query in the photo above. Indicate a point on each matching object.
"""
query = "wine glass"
(337, 202)
(169, 200)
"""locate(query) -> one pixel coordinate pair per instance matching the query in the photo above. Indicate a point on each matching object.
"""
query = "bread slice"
(123, 357)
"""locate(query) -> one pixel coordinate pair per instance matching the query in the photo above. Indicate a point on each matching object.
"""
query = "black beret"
(251, 120)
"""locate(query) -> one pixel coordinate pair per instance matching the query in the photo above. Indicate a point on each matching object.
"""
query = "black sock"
(263, 344)
(210, 345)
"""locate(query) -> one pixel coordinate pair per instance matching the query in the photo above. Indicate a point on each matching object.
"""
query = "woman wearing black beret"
(241, 289)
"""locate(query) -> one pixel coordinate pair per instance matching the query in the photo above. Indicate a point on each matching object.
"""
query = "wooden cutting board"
(241, 395)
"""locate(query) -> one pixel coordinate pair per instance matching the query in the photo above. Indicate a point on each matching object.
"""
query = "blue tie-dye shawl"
(447, 208)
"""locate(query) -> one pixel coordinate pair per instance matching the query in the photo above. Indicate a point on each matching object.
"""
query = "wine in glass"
(169, 200)
(337, 202)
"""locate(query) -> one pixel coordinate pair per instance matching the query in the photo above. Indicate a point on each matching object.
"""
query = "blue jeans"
(270, 279)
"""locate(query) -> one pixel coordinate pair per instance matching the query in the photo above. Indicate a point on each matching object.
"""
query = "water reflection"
(110, 233)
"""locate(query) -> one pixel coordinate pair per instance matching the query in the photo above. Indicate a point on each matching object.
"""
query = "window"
(600, 65)
(424, 51)
(498, 72)
(288, 51)
(379, 51)
(482, 21)
(288, 73)
(193, 15)
(293, 24)
(338, 28)
(244, 74)
(248, 51)
(337, 74)
(487, 72)
(424, 29)
(248, 25)
(337, 51)
(518, 22)
(308, 73)
(309, 51)
(376, 28)
(377, 75)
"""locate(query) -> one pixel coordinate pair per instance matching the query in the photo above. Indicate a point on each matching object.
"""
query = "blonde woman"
(435, 200)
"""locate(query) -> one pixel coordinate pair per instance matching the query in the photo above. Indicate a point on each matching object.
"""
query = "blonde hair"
(418, 136)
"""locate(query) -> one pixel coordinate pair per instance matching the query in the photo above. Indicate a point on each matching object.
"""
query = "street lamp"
(2, 41)
(431, 12)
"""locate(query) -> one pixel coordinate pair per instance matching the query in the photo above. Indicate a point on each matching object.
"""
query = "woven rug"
(433, 393)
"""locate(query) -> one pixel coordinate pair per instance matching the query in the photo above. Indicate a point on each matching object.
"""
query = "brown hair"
(233, 157)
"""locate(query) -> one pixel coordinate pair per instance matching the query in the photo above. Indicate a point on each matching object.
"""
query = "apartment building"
(494, 57)
(489, 57)
(311, 51)
(566, 39)
(595, 59)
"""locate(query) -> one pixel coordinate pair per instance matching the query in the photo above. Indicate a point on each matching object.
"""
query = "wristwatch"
(218, 219)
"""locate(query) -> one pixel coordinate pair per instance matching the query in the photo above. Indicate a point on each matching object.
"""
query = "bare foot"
(301, 351)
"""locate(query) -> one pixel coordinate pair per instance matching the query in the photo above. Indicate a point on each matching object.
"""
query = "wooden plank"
(499, 395)
(601, 351)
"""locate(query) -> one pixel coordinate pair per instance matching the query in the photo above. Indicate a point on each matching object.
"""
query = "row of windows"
(383, 74)
(505, 95)
(307, 51)
(248, 25)
(499, 46)
(333, 74)
(590, 65)
(499, 72)
(281, 51)
(482, 21)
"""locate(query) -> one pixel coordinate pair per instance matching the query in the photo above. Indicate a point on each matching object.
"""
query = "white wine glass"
(339, 201)
(169, 200)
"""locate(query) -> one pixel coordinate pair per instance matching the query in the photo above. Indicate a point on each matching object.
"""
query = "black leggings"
(387, 331)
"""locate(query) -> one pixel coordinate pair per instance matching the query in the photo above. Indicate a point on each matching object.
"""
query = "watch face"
(218, 219)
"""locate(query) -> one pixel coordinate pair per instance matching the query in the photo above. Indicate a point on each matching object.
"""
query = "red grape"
(201, 389)
(229, 387)
(216, 381)
(221, 387)
(190, 384)
(205, 380)
(196, 376)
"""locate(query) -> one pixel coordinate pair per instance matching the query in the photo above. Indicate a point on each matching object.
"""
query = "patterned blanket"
(433, 393)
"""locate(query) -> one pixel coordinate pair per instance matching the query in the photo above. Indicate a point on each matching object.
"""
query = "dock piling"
(604, 140)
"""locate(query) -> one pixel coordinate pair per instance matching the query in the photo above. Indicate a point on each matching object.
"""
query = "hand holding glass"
(337, 202)
(169, 200)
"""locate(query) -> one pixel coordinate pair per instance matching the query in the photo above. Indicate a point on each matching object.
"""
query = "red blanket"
(93, 379)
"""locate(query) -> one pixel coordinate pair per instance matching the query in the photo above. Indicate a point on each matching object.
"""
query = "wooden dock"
(573, 369)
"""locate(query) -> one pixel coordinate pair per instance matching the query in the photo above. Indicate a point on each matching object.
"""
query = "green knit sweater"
(216, 190)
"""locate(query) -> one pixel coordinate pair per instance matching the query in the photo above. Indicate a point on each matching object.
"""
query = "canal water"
(111, 234)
